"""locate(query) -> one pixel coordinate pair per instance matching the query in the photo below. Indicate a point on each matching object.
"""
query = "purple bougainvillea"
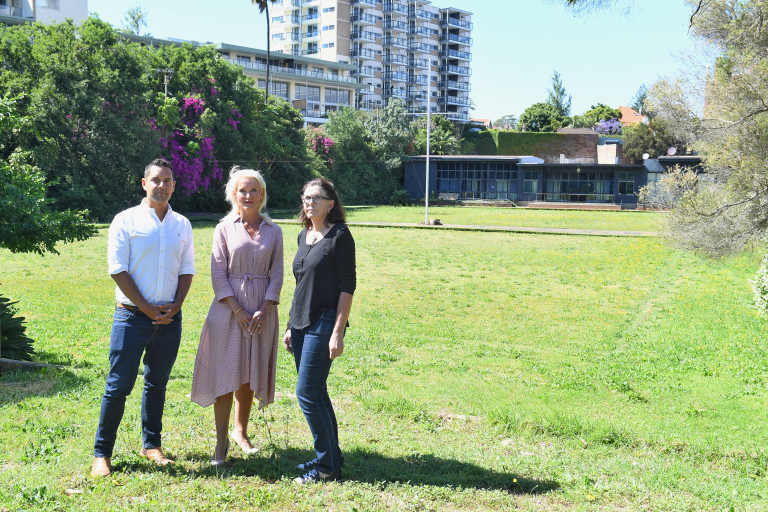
(609, 127)
(191, 150)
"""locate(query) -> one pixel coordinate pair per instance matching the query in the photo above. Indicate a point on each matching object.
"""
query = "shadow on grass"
(17, 385)
(362, 465)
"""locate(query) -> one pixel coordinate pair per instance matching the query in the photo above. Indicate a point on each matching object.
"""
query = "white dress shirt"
(154, 252)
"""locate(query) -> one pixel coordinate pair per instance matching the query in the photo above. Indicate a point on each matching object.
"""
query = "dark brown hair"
(337, 213)
(158, 162)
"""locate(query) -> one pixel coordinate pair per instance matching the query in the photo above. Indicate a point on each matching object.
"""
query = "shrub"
(14, 343)
(400, 198)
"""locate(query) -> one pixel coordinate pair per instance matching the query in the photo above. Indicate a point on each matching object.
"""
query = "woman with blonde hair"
(237, 353)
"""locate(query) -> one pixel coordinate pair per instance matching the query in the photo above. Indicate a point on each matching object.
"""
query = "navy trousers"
(133, 335)
(313, 363)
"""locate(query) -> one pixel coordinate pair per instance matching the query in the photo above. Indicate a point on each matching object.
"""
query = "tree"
(558, 97)
(442, 136)
(595, 114)
(506, 122)
(638, 101)
(652, 138)
(360, 175)
(728, 209)
(134, 19)
(390, 132)
(30, 224)
(541, 117)
(264, 6)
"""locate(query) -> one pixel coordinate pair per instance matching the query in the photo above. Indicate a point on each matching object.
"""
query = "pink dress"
(251, 270)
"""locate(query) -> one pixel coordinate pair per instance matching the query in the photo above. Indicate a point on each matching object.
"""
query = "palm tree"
(264, 6)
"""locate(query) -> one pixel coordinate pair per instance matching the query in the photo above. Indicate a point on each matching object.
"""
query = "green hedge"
(498, 142)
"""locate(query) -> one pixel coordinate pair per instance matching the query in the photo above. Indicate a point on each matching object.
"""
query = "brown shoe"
(102, 466)
(156, 455)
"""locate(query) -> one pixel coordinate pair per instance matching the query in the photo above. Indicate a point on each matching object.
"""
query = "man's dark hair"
(158, 162)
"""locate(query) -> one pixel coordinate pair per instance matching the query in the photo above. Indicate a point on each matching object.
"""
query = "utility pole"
(167, 74)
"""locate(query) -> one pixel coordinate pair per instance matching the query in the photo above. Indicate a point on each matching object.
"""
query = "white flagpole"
(429, 128)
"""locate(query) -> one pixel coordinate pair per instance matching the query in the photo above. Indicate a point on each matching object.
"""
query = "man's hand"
(287, 340)
(166, 312)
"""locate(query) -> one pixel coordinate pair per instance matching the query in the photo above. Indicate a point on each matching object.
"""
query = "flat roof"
(470, 157)
(602, 166)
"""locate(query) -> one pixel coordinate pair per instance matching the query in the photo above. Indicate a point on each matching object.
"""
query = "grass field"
(518, 217)
(483, 371)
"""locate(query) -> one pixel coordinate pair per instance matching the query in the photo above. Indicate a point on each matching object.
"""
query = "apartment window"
(328, 45)
(312, 48)
(277, 19)
(329, 27)
(278, 36)
(243, 61)
(329, 9)
(307, 92)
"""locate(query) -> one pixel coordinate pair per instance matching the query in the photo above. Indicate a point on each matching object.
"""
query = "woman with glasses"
(324, 268)
(237, 354)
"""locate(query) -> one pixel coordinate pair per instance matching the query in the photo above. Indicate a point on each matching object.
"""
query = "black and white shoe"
(313, 475)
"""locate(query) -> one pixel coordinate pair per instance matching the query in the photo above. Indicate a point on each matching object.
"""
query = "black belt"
(128, 307)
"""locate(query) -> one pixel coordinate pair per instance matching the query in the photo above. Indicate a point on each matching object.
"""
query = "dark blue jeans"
(313, 363)
(133, 335)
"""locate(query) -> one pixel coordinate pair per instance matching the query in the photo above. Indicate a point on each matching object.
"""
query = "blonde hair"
(235, 174)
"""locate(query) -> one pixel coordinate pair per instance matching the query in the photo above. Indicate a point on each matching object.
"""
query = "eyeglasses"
(313, 199)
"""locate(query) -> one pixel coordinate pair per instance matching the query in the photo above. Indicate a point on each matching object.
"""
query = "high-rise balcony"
(456, 70)
(455, 22)
(398, 42)
(401, 60)
(398, 93)
(453, 84)
(295, 36)
(396, 77)
(296, 19)
(417, 79)
(276, 68)
(455, 100)
(365, 53)
(310, 17)
(364, 18)
(370, 3)
(419, 63)
(420, 47)
(366, 36)
(422, 31)
(311, 35)
(456, 54)
(455, 38)
(396, 7)
(396, 25)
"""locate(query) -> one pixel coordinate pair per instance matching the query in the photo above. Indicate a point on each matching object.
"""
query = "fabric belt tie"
(248, 277)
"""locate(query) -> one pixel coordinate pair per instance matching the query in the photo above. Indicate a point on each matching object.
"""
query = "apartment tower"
(395, 46)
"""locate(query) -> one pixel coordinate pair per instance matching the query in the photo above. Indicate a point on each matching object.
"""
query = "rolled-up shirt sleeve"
(345, 262)
(220, 266)
(275, 277)
(188, 253)
(118, 247)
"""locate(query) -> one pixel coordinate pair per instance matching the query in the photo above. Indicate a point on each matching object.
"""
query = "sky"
(603, 56)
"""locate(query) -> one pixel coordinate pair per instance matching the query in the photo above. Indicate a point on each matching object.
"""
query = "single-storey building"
(524, 179)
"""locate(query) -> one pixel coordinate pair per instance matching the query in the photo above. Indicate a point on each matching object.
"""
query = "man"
(151, 258)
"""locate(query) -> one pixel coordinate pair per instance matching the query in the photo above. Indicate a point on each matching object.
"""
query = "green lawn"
(483, 371)
(518, 217)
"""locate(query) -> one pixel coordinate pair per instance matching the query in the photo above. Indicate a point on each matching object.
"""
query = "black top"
(322, 272)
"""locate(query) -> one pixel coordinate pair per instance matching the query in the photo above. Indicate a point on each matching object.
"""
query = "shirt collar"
(145, 206)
